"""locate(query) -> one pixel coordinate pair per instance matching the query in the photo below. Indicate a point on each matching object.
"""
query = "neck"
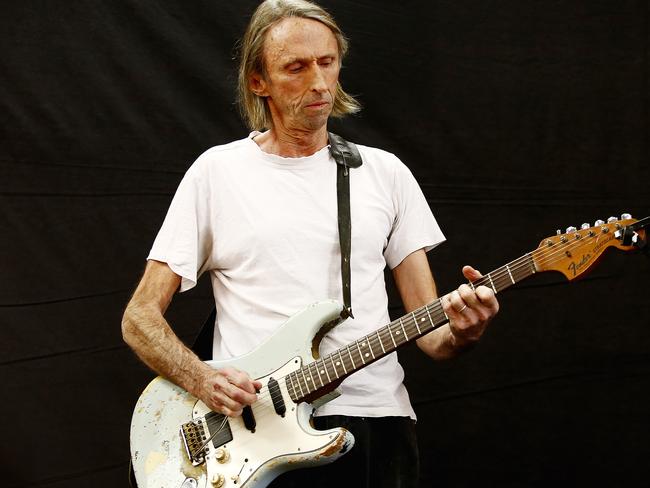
(292, 143)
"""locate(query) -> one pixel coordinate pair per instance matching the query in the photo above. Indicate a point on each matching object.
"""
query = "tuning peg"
(570, 229)
(611, 219)
(584, 226)
(626, 216)
(599, 222)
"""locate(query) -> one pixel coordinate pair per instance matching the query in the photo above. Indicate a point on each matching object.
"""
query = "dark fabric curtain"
(516, 117)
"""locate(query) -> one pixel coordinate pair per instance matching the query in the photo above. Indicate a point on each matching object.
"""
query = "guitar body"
(253, 457)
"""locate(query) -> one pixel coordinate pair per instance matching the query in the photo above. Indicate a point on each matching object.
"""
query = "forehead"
(298, 38)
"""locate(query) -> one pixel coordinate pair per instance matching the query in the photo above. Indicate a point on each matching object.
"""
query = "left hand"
(469, 310)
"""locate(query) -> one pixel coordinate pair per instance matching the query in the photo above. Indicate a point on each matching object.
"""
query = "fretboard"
(318, 375)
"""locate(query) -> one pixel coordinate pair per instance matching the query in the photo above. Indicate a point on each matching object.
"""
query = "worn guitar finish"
(177, 442)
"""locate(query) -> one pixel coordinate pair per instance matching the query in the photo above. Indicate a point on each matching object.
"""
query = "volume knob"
(217, 480)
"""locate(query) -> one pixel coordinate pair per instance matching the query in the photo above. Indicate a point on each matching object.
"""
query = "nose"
(318, 83)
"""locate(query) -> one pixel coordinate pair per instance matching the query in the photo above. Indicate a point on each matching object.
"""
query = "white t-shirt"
(266, 229)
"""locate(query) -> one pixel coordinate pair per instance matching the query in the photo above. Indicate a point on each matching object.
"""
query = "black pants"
(385, 455)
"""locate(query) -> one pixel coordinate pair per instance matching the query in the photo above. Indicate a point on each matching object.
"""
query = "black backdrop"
(517, 117)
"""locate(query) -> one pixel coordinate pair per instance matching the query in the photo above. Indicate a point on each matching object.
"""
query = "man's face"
(302, 69)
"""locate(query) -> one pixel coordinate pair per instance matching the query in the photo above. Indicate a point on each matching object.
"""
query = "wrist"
(457, 342)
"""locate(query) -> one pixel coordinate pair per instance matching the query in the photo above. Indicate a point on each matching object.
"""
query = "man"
(260, 215)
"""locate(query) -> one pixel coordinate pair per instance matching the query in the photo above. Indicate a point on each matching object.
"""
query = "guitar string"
(543, 256)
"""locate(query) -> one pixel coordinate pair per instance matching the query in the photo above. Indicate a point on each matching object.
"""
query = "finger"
(225, 386)
(456, 301)
(469, 296)
(240, 379)
(487, 298)
(224, 401)
(236, 393)
(471, 274)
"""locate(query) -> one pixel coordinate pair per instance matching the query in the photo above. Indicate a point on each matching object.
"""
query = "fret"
(310, 367)
(380, 342)
(354, 366)
(510, 274)
(443, 312)
(342, 362)
(416, 322)
(429, 314)
(329, 380)
(302, 370)
(391, 336)
(290, 388)
(403, 329)
(302, 393)
(370, 347)
(320, 378)
(360, 353)
(492, 283)
(531, 262)
(471, 285)
(334, 367)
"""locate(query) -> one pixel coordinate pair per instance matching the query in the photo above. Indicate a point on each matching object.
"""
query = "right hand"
(227, 390)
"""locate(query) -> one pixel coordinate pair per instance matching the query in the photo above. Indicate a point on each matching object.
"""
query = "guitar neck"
(329, 370)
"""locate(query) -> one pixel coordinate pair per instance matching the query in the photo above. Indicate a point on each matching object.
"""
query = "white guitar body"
(250, 459)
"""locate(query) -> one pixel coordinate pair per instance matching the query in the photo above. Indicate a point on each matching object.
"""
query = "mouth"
(319, 104)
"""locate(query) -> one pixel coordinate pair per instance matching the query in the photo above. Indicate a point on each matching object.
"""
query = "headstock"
(577, 250)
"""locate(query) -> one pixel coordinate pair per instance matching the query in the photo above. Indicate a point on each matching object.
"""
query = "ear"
(258, 85)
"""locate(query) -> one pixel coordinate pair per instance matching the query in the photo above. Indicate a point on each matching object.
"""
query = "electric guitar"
(178, 442)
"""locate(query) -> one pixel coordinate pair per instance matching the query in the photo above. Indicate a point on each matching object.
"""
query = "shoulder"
(380, 161)
(224, 151)
(374, 154)
(219, 156)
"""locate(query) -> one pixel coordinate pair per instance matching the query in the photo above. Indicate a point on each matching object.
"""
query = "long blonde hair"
(254, 108)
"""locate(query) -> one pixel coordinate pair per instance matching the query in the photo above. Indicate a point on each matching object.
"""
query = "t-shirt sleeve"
(414, 226)
(184, 241)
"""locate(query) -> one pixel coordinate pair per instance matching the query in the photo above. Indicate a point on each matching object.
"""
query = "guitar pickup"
(276, 396)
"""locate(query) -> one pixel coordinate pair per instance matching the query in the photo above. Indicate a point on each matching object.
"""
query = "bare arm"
(145, 329)
(469, 311)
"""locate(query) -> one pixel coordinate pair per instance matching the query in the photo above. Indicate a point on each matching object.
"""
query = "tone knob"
(584, 226)
(217, 480)
(222, 455)
(599, 222)
(611, 219)
(626, 216)
(571, 229)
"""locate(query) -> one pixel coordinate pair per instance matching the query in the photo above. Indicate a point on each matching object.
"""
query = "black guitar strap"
(346, 156)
